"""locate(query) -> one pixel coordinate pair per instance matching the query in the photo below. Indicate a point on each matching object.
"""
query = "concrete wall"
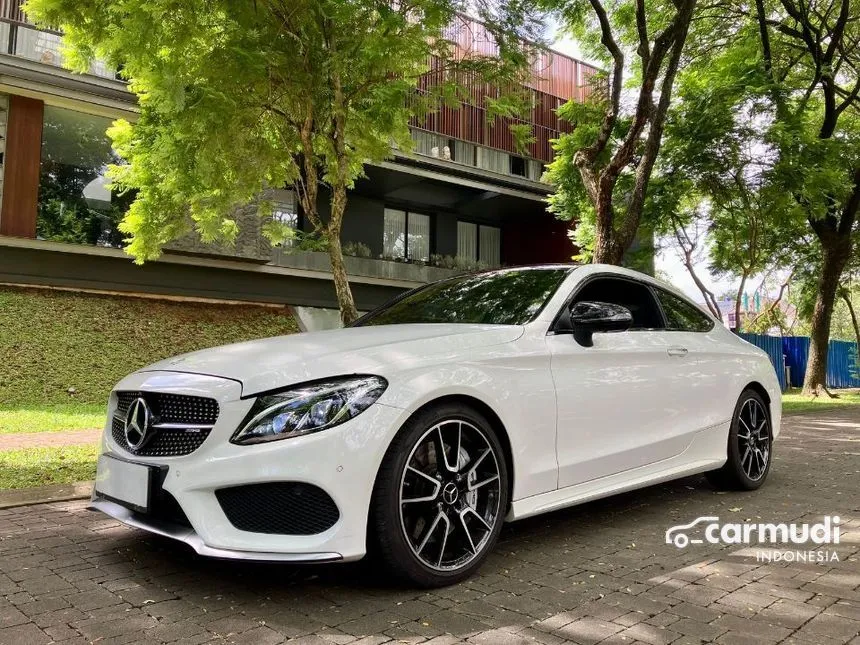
(115, 273)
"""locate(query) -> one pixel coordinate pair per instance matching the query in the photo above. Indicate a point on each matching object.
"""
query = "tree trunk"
(606, 250)
(738, 312)
(815, 380)
(603, 247)
(345, 301)
(348, 313)
(604, 234)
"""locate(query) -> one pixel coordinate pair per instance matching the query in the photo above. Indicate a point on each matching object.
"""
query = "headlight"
(309, 408)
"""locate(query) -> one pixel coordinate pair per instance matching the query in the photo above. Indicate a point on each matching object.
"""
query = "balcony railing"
(19, 37)
(452, 150)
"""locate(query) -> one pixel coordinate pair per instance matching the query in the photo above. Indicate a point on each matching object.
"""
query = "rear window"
(682, 315)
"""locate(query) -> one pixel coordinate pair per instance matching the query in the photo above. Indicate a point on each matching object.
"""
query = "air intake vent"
(284, 508)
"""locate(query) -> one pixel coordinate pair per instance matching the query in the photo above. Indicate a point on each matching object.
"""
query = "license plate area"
(127, 483)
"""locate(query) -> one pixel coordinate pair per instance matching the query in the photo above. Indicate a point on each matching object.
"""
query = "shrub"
(61, 346)
(357, 249)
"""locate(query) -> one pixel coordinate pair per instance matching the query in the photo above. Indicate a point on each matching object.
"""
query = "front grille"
(164, 443)
(172, 408)
(178, 409)
(284, 508)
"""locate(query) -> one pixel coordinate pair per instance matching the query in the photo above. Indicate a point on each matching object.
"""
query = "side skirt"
(706, 452)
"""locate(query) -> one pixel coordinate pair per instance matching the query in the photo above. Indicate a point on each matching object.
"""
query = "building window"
(284, 212)
(429, 144)
(479, 242)
(464, 153)
(493, 160)
(406, 235)
(489, 245)
(467, 240)
(38, 45)
(75, 202)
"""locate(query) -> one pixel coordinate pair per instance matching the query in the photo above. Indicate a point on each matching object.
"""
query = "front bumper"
(187, 535)
(343, 461)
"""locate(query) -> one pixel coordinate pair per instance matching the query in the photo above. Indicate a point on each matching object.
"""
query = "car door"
(707, 371)
(618, 398)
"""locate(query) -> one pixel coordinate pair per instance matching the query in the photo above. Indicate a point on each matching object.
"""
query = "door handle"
(677, 351)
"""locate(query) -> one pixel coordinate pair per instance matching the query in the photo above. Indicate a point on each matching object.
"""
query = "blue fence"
(796, 350)
(793, 351)
(773, 346)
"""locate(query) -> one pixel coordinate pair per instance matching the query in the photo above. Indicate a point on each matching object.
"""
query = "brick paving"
(598, 573)
(49, 439)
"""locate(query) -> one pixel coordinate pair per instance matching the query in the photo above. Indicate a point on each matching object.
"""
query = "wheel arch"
(760, 389)
(483, 408)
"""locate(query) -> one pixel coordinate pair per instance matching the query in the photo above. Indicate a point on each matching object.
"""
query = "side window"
(627, 293)
(681, 315)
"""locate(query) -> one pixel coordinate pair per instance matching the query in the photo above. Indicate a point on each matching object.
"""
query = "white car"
(415, 433)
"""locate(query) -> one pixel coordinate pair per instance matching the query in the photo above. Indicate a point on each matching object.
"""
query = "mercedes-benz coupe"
(416, 432)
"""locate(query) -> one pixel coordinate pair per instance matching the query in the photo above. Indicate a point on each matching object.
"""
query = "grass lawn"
(30, 467)
(792, 401)
(51, 417)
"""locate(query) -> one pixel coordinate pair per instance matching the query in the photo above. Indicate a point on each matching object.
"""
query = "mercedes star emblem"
(137, 423)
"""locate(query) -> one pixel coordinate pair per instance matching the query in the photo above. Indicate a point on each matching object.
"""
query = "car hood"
(270, 363)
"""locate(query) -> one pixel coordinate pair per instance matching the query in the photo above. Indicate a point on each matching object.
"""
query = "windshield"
(505, 297)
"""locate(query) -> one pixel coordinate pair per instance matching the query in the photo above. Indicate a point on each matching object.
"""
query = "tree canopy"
(603, 169)
(236, 97)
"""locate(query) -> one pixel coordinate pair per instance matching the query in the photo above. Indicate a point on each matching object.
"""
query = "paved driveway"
(596, 573)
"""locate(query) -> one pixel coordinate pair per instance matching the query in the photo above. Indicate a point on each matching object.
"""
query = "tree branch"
(644, 49)
(609, 119)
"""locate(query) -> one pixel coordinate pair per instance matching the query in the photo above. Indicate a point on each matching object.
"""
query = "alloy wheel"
(450, 493)
(753, 439)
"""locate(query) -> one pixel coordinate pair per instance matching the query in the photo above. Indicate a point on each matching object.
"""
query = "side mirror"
(589, 317)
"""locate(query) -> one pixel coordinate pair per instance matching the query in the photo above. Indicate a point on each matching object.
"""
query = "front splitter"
(190, 537)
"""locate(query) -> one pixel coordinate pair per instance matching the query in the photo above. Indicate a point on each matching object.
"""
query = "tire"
(407, 531)
(749, 461)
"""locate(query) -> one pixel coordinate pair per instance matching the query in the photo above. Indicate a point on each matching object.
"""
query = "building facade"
(465, 196)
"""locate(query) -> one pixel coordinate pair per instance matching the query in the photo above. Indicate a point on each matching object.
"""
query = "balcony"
(447, 150)
(18, 37)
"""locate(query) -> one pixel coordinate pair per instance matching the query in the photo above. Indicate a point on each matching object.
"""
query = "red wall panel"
(23, 159)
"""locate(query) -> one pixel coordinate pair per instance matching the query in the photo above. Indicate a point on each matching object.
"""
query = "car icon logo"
(677, 535)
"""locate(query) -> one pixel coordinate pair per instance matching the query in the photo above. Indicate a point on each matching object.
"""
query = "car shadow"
(595, 521)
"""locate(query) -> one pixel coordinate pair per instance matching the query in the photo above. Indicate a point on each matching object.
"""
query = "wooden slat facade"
(10, 11)
(469, 122)
(555, 79)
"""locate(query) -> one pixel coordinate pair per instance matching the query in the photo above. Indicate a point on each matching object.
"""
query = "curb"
(44, 494)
